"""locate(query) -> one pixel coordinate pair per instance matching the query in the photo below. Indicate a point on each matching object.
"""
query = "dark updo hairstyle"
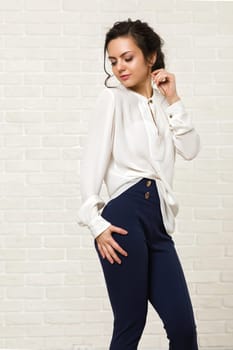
(144, 36)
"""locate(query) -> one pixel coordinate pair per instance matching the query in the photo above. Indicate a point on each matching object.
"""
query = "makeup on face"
(129, 64)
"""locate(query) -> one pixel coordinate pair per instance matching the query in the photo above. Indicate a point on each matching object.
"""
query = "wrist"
(173, 99)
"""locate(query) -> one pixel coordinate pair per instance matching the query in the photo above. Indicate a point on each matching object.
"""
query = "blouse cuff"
(179, 121)
(175, 109)
(98, 225)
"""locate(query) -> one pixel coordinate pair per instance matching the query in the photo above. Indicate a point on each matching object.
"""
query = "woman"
(136, 130)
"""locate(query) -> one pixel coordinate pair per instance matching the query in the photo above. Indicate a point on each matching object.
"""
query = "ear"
(152, 59)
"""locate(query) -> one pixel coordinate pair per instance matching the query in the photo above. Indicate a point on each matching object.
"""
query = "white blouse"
(131, 137)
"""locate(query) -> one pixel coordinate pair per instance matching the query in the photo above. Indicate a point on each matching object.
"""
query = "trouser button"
(148, 183)
(147, 195)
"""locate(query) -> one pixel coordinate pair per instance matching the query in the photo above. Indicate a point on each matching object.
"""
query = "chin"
(127, 84)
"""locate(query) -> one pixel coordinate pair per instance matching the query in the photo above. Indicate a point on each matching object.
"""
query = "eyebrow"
(124, 53)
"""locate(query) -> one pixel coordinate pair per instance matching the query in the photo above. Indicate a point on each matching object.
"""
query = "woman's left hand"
(166, 84)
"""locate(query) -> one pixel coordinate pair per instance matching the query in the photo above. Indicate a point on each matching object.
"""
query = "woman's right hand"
(108, 246)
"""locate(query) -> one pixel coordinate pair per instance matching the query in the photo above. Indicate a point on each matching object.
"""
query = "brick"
(22, 242)
(40, 104)
(214, 263)
(11, 5)
(52, 117)
(218, 340)
(12, 254)
(57, 190)
(16, 306)
(22, 141)
(66, 318)
(72, 5)
(45, 203)
(19, 189)
(71, 154)
(23, 216)
(80, 29)
(206, 302)
(14, 331)
(228, 301)
(44, 228)
(215, 314)
(229, 326)
(14, 154)
(25, 292)
(58, 165)
(44, 280)
(42, 78)
(227, 276)
(213, 238)
(70, 66)
(60, 141)
(215, 289)
(42, 129)
(18, 117)
(200, 251)
(60, 267)
(58, 242)
(23, 66)
(22, 343)
(43, 254)
(42, 330)
(212, 327)
(13, 53)
(11, 280)
(21, 91)
(42, 154)
(42, 5)
(11, 104)
(38, 29)
(213, 214)
(204, 276)
(45, 178)
(22, 267)
(90, 279)
(23, 318)
(64, 292)
(11, 203)
(11, 228)
(229, 251)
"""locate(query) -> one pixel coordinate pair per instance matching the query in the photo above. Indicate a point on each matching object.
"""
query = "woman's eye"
(113, 63)
(128, 59)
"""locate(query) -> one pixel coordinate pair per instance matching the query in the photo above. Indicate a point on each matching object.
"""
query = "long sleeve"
(95, 160)
(185, 137)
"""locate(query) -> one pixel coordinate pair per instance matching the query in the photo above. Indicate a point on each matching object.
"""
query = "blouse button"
(147, 195)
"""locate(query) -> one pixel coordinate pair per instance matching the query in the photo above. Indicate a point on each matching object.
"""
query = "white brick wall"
(52, 292)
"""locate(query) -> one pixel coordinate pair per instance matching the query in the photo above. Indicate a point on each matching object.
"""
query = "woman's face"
(128, 63)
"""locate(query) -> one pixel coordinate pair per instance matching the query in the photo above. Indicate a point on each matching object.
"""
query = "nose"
(120, 66)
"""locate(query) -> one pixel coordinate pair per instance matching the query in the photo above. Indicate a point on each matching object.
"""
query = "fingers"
(119, 230)
(111, 254)
(108, 247)
(161, 76)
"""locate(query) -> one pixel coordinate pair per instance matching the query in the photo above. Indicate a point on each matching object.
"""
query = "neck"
(145, 88)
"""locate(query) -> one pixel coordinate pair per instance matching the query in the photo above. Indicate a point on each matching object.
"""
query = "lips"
(125, 76)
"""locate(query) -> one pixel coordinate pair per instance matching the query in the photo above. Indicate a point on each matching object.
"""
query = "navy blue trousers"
(151, 272)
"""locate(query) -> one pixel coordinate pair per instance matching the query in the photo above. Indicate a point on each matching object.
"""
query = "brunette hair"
(144, 36)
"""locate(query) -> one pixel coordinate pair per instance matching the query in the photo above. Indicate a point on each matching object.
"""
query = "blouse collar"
(142, 98)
